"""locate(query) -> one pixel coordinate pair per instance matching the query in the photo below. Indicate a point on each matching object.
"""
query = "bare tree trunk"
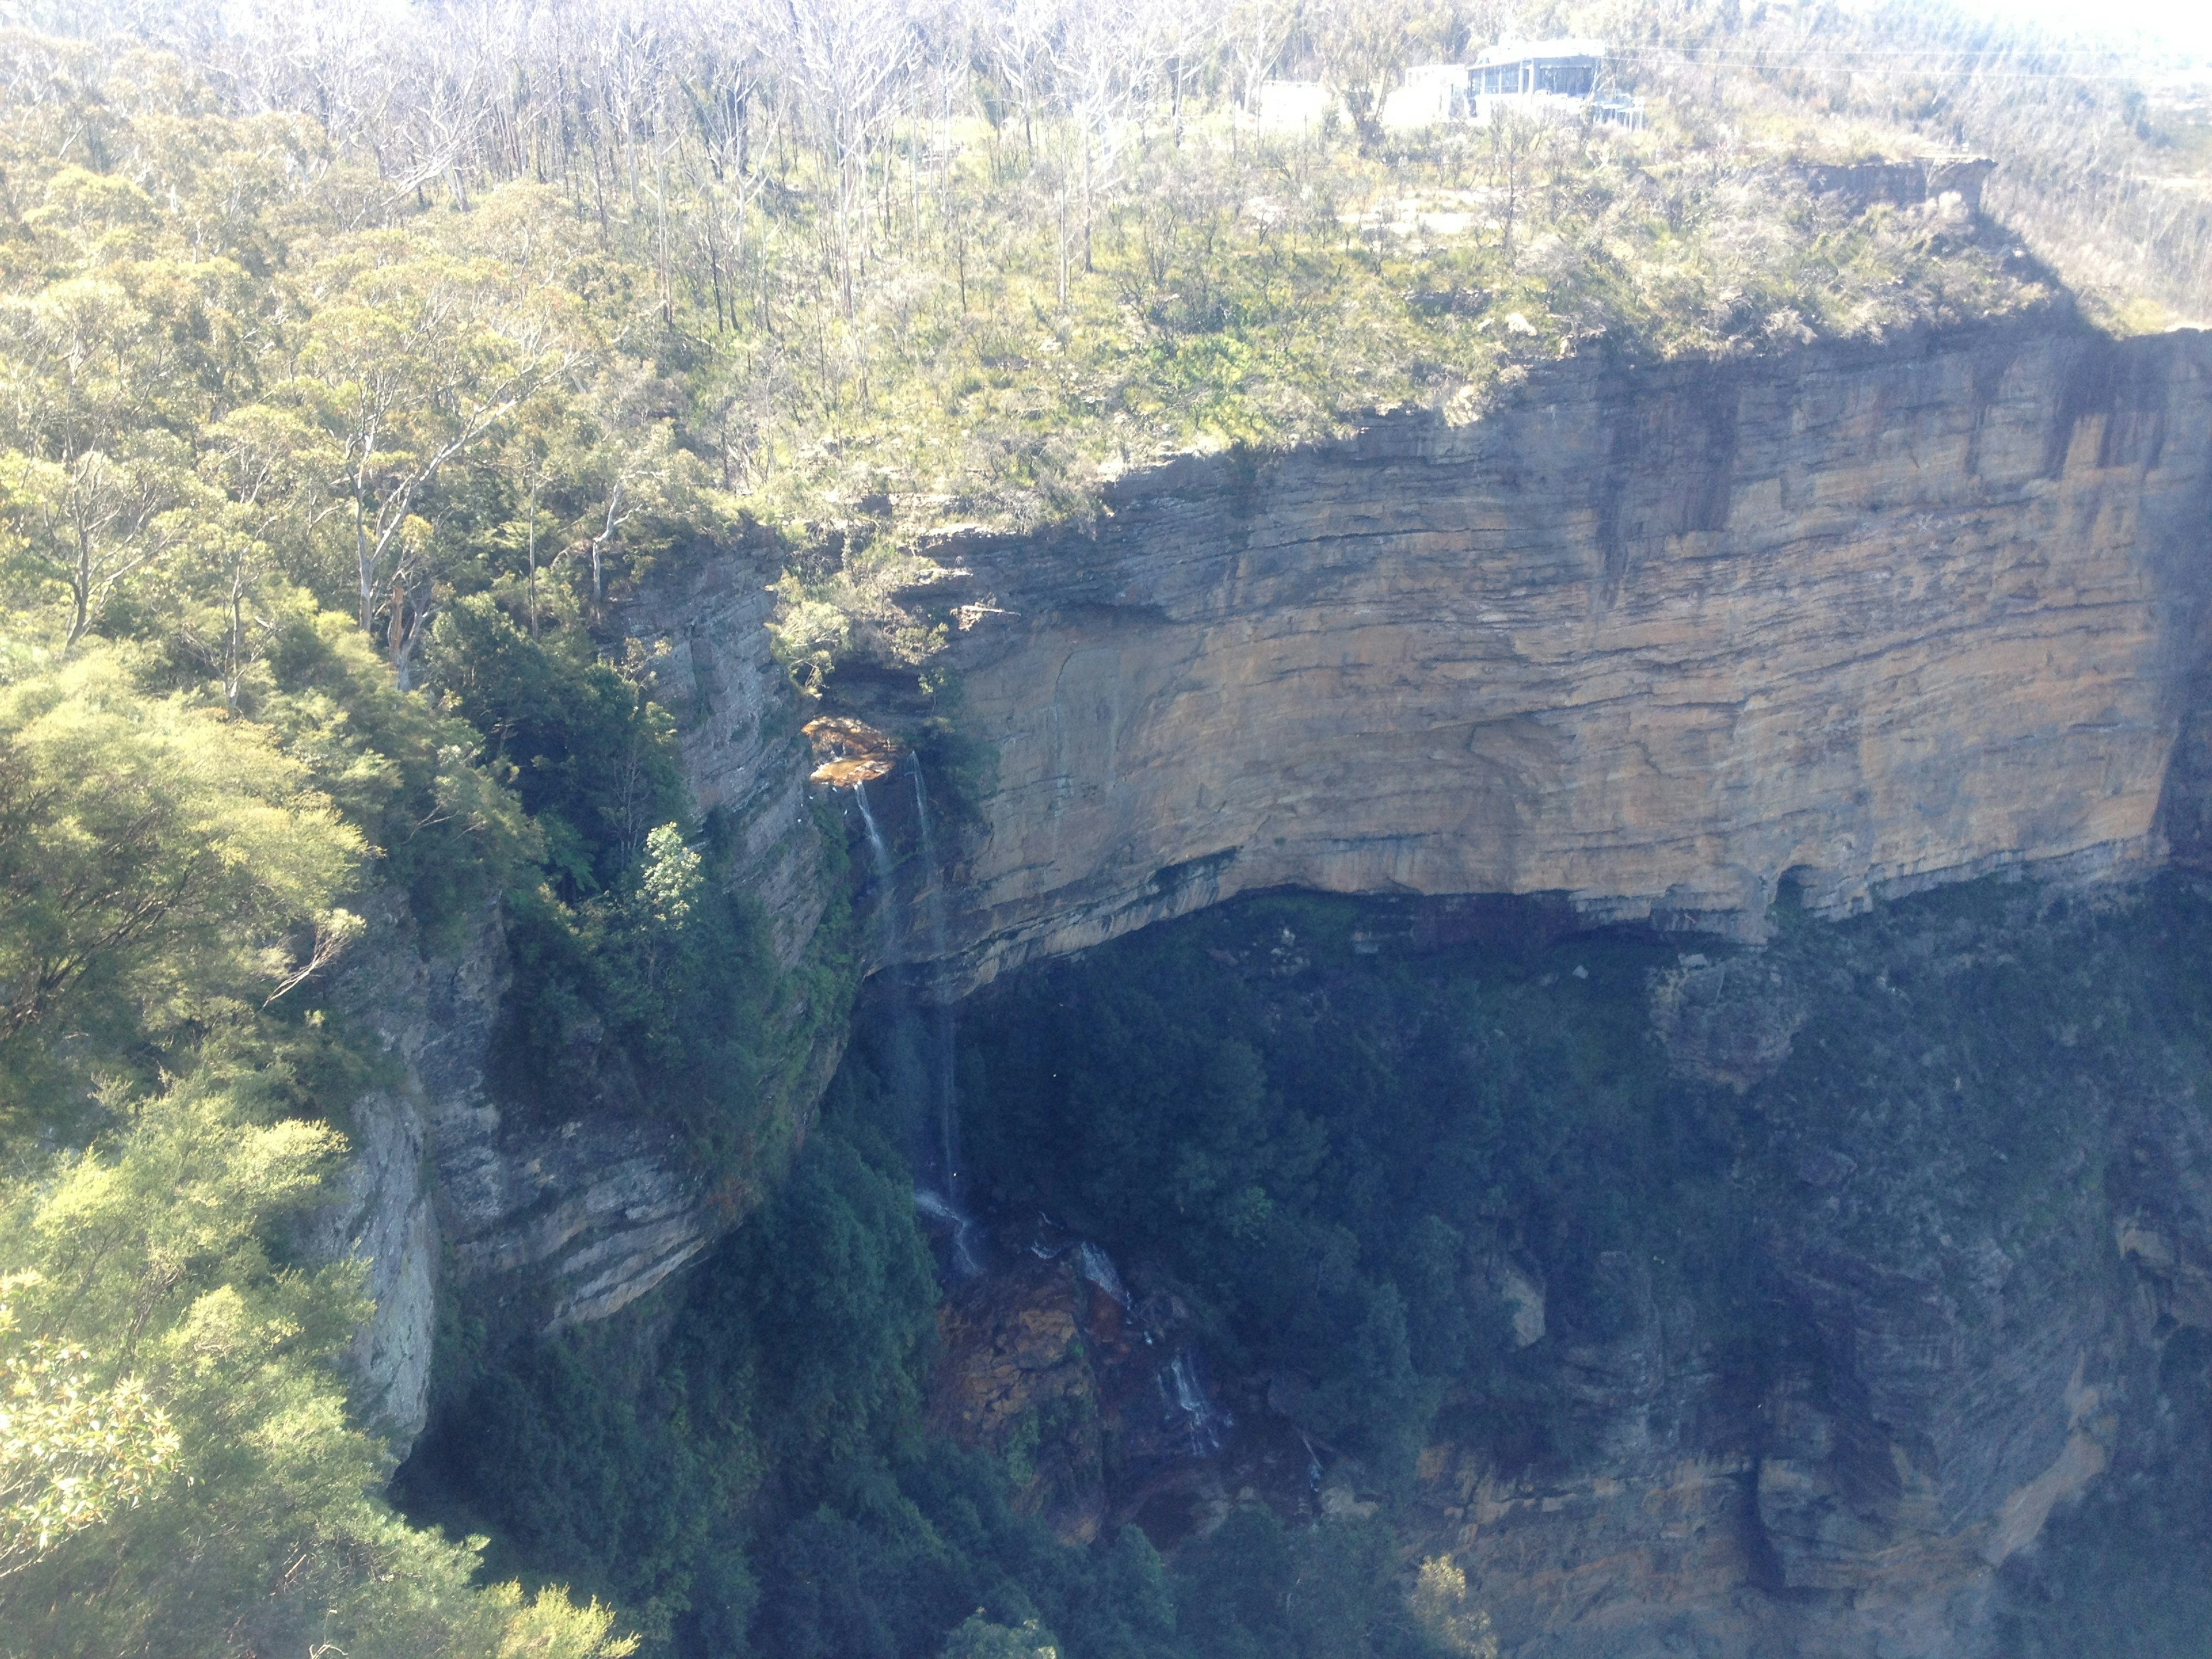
(533, 559)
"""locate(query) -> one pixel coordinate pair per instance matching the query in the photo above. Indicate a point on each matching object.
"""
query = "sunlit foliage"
(851, 271)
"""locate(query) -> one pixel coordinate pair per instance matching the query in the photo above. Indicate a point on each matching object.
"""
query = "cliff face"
(1972, 1354)
(1666, 646)
(737, 719)
(1659, 642)
(448, 1194)
(566, 1215)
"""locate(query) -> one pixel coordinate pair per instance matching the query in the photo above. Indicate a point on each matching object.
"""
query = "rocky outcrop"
(554, 1211)
(1857, 1506)
(705, 636)
(576, 1208)
(1862, 184)
(1956, 1360)
(1660, 642)
(446, 1193)
(1725, 1022)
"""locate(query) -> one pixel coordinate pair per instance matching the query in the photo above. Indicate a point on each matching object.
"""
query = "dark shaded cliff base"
(1845, 1297)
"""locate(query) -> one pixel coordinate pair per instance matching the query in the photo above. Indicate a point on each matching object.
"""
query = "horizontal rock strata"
(1665, 641)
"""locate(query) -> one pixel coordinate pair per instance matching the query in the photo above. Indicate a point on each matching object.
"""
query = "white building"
(1552, 80)
(1562, 79)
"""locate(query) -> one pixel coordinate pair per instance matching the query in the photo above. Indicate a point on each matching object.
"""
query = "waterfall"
(1183, 1385)
(922, 1061)
(881, 856)
(932, 911)
(1095, 1265)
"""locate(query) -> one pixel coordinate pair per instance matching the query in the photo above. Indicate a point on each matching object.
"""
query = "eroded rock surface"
(1862, 618)
(706, 638)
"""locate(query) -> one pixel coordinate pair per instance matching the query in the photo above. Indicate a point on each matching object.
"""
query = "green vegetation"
(2101, 151)
(855, 276)
(1326, 1140)
(758, 1479)
(277, 632)
(157, 1352)
(1332, 1153)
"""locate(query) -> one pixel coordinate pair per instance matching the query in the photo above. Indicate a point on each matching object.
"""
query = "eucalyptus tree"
(844, 61)
(409, 369)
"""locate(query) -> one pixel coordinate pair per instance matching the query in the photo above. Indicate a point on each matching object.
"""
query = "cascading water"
(933, 910)
(1183, 1384)
(921, 1062)
(944, 1095)
(1095, 1265)
(881, 856)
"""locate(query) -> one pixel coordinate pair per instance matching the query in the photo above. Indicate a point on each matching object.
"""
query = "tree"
(155, 855)
(233, 1509)
(1364, 46)
(1440, 1604)
(1514, 140)
(1255, 32)
(1102, 58)
(71, 1451)
(844, 59)
(411, 368)
(89, 522)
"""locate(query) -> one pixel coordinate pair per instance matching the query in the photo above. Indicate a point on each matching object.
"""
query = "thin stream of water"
(921, 1056)
(881, 856)
(932, 911)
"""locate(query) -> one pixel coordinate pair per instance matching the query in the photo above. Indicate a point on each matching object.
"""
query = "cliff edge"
(1658, 641)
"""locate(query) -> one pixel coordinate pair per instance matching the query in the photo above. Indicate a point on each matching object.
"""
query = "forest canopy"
(522, 300)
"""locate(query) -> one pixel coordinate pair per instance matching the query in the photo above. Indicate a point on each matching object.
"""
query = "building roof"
(1519, 51)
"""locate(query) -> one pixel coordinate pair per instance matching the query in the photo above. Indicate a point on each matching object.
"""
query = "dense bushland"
(859, 272)
(238, 456)
(748, 1472)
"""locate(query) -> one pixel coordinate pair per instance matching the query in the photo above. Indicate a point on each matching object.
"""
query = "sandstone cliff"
(535, 1216)
(1655, 642)
(1659, 641)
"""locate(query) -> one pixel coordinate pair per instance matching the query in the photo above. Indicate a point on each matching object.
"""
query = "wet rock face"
(1015, 1379)
(1099, 1402)
(1660, 641)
